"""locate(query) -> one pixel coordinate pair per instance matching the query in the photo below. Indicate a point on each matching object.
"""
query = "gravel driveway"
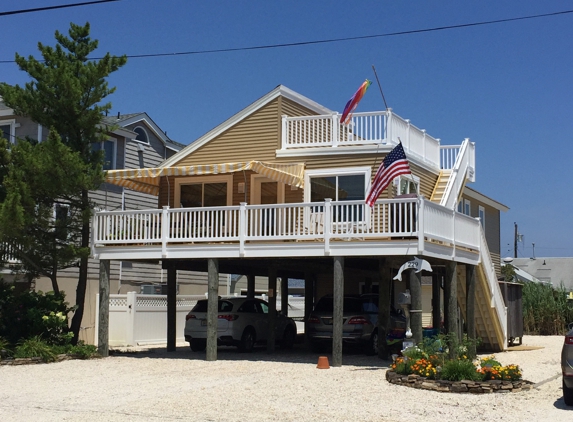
(153, 385)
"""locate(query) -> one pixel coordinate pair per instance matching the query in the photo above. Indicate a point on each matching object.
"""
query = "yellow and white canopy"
(147, 180)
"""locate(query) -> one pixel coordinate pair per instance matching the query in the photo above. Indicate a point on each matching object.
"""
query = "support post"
(416, 307)
(451, 298)
(212, 307)
(272, 308)
(437, 300)
(470, 309)
(171, 309)
(103, 326)
(284, 296)
(308, 297)
(250, 286)
(338, 298)
(384, 300)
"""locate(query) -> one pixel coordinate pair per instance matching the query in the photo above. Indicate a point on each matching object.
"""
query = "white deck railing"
(370, 128)
(463, 168)
(322, 221)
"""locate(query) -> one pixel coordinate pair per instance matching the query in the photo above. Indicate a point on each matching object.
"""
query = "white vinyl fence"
(136, 319)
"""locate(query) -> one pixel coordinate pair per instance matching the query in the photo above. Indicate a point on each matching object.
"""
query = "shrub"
(545, 309)
(35, 347)
(83, 351)
(5, 348)
(28, 314)
(459, 369)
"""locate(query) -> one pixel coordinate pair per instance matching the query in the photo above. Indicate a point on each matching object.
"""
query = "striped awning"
(147, 180)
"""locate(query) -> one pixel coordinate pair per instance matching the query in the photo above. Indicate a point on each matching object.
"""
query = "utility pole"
(515, 241)
(533, 244)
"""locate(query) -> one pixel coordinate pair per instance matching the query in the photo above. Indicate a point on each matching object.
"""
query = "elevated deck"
(409, 226)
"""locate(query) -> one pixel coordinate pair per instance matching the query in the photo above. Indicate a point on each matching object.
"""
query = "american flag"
(395, 164)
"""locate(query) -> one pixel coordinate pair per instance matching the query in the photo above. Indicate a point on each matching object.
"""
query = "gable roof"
(280, 90)
(124, 120)
(472, 193)
(552, 270)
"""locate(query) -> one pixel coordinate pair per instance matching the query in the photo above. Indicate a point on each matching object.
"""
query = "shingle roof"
(554, 270)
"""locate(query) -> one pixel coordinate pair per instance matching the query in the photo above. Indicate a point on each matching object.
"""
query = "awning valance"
(147, 179)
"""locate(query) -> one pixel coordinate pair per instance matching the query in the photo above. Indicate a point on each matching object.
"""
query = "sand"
(153, 385)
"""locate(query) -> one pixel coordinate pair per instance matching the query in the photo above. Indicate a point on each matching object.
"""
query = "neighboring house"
(557, 271)
(134, 142)
(280, 186)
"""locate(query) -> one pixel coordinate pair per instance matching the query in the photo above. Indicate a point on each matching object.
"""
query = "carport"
(317, 273)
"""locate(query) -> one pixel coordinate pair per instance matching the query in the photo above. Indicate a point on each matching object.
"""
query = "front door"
(266, 192)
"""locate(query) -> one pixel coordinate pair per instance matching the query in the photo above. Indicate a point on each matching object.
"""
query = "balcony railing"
(371, 128)
(314, 221)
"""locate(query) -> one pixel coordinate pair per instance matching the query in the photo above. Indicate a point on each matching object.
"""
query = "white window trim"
(226, 178)
(146, 135)
(12, 123)
(481, 214)
(467, 205)
(346, 171)
(408, 178)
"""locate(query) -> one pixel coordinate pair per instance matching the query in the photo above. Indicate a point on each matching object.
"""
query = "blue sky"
(506, 86)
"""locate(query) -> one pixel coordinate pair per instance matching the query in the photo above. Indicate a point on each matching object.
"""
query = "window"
(347, 184)
(141, 135)
(408, 184)
(204, 195)
(109, 148)
(482, 216)
(194, 192)
(467, 207)
(61, 222)
(338, 188)
(7, 128)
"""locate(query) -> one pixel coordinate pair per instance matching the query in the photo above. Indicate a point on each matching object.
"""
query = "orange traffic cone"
(323, 363)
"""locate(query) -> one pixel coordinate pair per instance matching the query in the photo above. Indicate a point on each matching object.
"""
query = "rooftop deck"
(365, 129)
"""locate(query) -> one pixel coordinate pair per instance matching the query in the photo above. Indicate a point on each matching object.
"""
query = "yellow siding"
(258, 136)
(254, 138)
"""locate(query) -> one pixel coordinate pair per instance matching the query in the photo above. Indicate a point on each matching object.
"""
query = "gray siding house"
(135, 141)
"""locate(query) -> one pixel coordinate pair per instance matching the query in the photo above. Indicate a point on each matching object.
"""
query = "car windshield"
(351, 304)
(224, 306)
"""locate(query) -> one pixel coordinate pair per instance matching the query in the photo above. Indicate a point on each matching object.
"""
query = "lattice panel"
(117, 302)
(149, 302)
(186, 303)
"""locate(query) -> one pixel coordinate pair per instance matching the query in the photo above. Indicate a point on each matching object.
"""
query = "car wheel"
(288, 338)
(372, 348)
(198, 344)
(247, 340)
(567, 395)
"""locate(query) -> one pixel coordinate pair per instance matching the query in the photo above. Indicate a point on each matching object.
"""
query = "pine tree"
(66, 94)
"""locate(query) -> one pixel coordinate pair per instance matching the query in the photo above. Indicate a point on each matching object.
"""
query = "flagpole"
(380, 87)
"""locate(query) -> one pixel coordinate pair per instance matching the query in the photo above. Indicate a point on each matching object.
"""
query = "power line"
(334, 40)
(61, 6)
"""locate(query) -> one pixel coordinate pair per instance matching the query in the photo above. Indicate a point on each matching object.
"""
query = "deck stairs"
(440, 187)
(490, 310)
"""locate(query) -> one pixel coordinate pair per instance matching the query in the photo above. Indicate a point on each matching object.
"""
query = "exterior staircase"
(490, 309)
(440, 187)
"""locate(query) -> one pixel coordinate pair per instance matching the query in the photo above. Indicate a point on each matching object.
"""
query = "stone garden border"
(464, 386)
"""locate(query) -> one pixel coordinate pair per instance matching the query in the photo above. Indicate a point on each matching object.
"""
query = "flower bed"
(431, 366)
